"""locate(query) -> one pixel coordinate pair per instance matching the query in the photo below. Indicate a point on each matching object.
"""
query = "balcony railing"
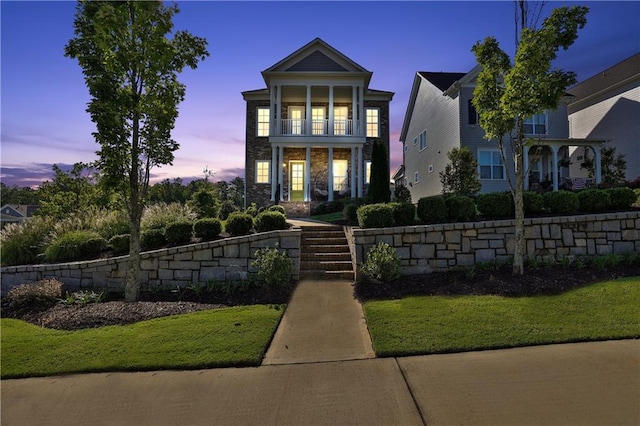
(293, 127)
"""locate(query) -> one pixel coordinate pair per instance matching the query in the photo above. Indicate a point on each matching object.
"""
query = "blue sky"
(43, 95)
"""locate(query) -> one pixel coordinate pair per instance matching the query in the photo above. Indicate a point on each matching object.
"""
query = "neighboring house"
(309, 134)
(607, 106)
(440, 117)
(16, 213)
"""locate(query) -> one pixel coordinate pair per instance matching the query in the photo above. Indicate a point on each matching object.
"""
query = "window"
(367, 172)
(263, 121)
(423, 140)
(296, 120)
(317, 118)
(536, 125)
(416, 177)
(262, 171)
(406, 148)
(430, 168)
(340, 115)
(490, 164)
(473, 114)
(373, 115)
(340, 178)
(415, 140)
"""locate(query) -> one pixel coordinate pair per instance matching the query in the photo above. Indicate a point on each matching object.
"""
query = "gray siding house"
(607, 106)
(440, 117)
(310, 132)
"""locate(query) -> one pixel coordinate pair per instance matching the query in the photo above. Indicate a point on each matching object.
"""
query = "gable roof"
(442, 80)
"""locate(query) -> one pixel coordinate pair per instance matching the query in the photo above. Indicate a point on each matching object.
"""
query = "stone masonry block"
(422, 251)
(485, 255)
(567, 237)
(452, 236)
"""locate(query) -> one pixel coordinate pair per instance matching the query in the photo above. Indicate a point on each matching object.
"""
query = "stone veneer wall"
(227, 259)
(429, 248)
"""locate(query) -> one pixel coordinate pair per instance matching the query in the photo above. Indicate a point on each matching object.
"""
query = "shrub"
(432, 209)
(533, 202)
(274, 267)
(158, 216)
(43, 294)
(622, 197)
(350, 212)
(178, 232)
(496, 205)
(460, 208)
(278, 208)
(382, 263)
(252, 210)
(320, 210)
(593, 200)
(75, 245)
(226, 209)
(207, 229)
(404, 214)
(563, 202)
(270, 221)
(375, 216)
(152, 239)
(21, 244)
(120, 243)
(111, 223)
(402, 194)
(204, 203)
(239, 224)
(335, 206)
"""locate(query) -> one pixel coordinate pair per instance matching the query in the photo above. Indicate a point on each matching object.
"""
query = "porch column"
(597, 155)
(272, 111)
(360, 180)
(354, 111)
(331, 112)
(281, 171)
(330, 174)
(554, 151)
(307, 176)
(278, 128)
(308, 112)
(274, 169)
(525, 163)
(353, 172)
(361, 117)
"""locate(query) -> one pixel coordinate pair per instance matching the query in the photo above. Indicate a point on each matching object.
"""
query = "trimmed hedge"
(270, 221)
(621, 197)
(350, 212)
(432, 209)
(207, 229)
(404, 213)
(239, 224)
(533, 202)
(178, 232)
(277, 208)
(594, 200)
(120, 243)
(496, 205)
(75, 245)
(564, 202)
(460, 208)
(378, 215)
(152, 239)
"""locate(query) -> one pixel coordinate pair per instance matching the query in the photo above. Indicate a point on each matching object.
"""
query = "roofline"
(409, 112)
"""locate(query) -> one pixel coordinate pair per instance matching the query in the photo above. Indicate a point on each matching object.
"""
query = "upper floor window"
(373, 122)
(423, 140)
(263, 121)
(536, 125)
(340, 116)
(262, 171)
(474, 118)
(317, 120)
(490, 164)
(416, 177)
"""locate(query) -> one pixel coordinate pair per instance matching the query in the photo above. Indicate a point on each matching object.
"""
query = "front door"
(296, 179)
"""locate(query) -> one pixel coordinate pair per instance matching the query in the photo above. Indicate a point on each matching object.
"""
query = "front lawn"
(437, 324)
(214, 338)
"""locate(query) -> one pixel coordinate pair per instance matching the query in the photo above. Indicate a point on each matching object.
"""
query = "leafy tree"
(379, 191)
(167, 191)
(508, 94)
(18, 195)
(130, 67)
(204, 203)
(460, 176)
(236, 191)
(614, 167)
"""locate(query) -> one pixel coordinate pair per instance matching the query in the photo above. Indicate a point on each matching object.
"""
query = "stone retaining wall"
(424, 249)
(228, 259)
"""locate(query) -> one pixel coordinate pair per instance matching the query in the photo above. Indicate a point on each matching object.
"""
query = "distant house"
(16, 213)
(310, 132)
(607, 106)
(440, 117)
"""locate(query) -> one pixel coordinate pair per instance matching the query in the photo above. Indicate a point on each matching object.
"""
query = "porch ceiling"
(530, 142)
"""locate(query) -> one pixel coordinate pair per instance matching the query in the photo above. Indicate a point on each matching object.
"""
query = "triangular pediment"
(316, 61)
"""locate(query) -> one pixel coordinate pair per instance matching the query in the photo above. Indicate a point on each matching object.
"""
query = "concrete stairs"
(324, 254)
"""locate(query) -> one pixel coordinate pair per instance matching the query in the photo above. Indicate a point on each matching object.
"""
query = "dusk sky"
(44, 97)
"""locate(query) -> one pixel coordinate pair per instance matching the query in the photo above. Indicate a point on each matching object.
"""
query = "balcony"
(299, 127)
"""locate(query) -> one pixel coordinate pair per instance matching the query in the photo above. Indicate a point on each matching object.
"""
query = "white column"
(330, 167)
(354, 110)
(525, 163)
(272, 110)
(597, 154)
(308, 112)
(278, 110)
(353, 172)
(274, 170)
(554, 151)
(281, 170)
(360, 172)
(331, 112)
(307, 176)
(361, 117)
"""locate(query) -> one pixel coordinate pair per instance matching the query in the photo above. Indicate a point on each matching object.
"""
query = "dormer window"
(536, 125)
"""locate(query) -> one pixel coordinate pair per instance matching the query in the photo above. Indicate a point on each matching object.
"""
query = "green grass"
(439, 324)
(329, 217)
(215, 338)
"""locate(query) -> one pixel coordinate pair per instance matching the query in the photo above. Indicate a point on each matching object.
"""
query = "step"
(325, 257)
(324, 241)
(319, 248)
(311, 265)
(328, 275)
(327, 234)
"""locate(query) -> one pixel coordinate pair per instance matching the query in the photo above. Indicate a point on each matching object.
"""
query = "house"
(440, 116)
(607, 106)
(16, 213)
(310, 132)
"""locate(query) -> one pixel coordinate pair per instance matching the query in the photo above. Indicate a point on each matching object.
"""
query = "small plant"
(432, 209)
(350, 212)
(21, 244)
(375, 216)
(226, 209)
(277, 208)
(178, 232)
(239, 224)
(42, 294)
(252, 210)
(207, 229)
(402, 194)
(75, 245)
(382, 263)
(274, 267)
(270, 221)
(158, 216)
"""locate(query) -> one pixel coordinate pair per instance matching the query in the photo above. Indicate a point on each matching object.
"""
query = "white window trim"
(430, 168)
(366, 123)
(268, 172)
(424, 132)
(416, 177)
(504, 169)
(258, 121)
(415, 140)
(546, 125)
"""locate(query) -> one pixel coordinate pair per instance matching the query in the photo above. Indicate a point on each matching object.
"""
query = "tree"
(460, 176)
(506, 95)
(130, 68)
(18, 195)
(614, 167)
(379, 191)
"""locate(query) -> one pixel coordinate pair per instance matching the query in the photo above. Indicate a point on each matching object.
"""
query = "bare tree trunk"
(132, 287)
(518, 195)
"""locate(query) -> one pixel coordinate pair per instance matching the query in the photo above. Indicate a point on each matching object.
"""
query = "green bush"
(278, 208)
(22, 244)
(593, 200)
(120, 243)
(239, 224)
(404, 214)
(496, 205)
(533, 202)
(270, 221)
(152, 239)
(75, 245)
(111, 223)
(460, 208)
(350, 212)
(562, 202)
(432, 209)
(637, 192)
(204, 203)
(158, 216)
(382, 263)
(621, 197)
(226, 209)
(402, 194)
(252, 210)
(207, 229)
(274, 267)
(319, 210)
(375, 216)
(41, 294)
(335, 206)
(179, 232)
